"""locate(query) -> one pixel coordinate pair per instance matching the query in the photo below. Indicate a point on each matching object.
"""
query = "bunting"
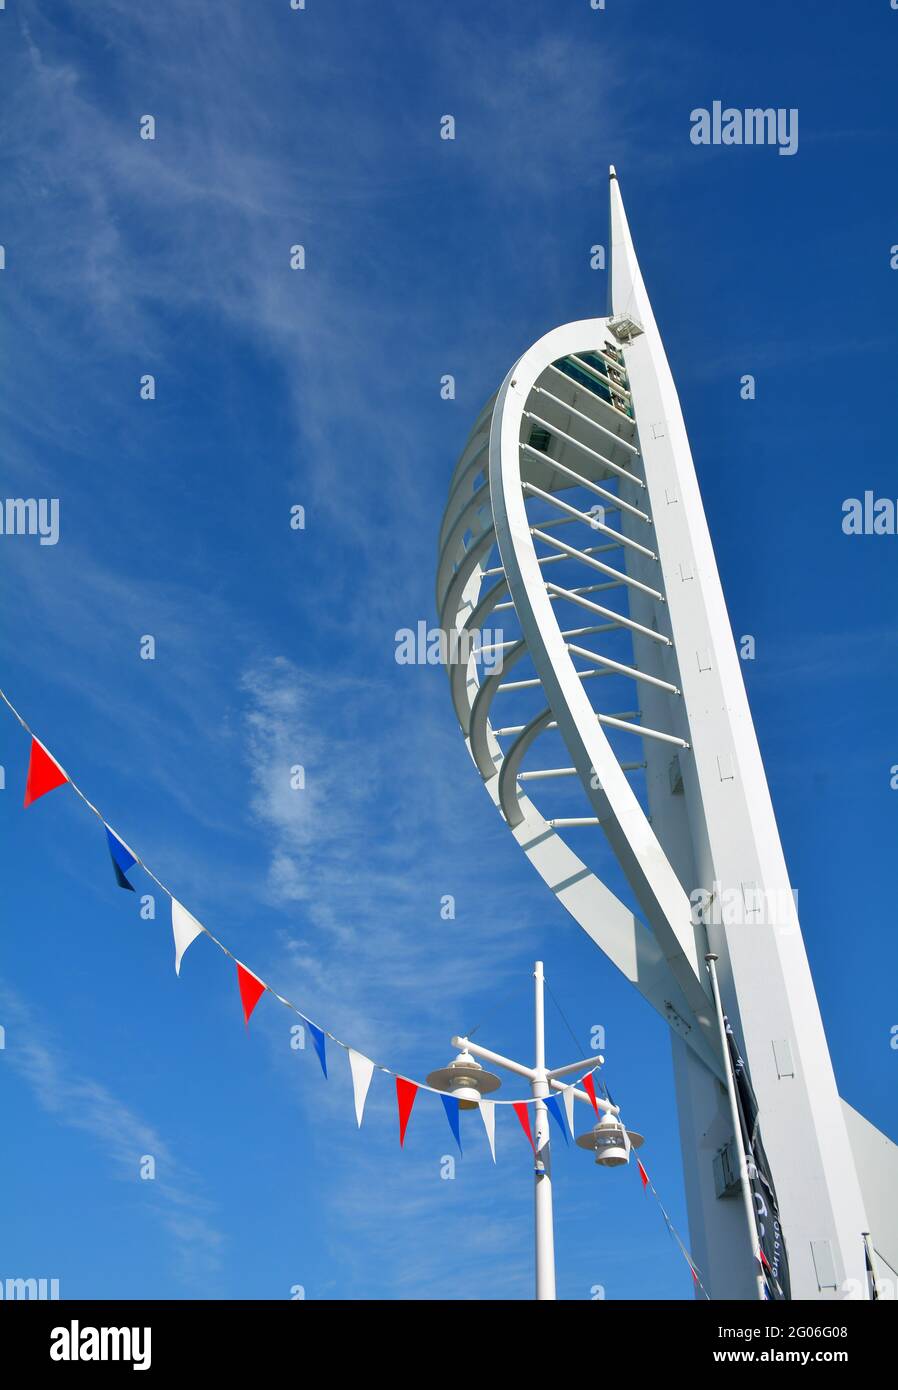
(251, 990)
(554, 1110)
(362, 1069)
(568, 1097)
(44, 773)
(450, 1105)
(488, 1115)
(318, 1040)
(405, 1096)
(589, 1087)
(122, 859)
(523, 1114)
(185, 929)
(643, 1175)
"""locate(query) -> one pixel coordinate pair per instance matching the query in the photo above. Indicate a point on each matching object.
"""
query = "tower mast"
(721, 837)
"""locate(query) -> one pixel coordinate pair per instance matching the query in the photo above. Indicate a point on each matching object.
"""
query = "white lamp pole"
(542, 1082)
(542, 1192)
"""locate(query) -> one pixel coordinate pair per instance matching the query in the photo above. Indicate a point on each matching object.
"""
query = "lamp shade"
(464, 1079)
(608, 1142)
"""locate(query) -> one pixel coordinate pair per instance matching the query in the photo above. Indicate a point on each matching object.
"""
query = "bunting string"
(649, 1186)
(46, 773)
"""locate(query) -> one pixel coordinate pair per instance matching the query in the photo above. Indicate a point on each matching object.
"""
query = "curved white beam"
(661, 969)
(657, 888)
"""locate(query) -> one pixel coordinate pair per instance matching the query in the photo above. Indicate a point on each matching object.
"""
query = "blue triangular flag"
(122, 859)
(318, 1040)
(554, 1110)
(450, 1105)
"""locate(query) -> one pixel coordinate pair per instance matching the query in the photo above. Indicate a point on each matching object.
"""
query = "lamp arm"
(596, 1060)
(495, 1057)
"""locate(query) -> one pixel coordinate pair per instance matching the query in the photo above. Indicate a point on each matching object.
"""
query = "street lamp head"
(464, 1079)
(608, 1141)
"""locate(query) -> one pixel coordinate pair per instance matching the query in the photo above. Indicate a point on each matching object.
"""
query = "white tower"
(575, 526)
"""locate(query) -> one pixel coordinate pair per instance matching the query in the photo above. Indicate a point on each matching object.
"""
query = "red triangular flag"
(590, 1088)
(251, 989)
(694, 1275)
(643, 1174)
(522, 1110)
(405, 1095)
(44, 773)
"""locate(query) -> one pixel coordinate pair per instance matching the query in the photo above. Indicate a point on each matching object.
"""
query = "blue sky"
(275, 647)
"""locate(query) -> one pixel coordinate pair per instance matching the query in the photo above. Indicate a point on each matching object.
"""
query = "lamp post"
(467, 1080)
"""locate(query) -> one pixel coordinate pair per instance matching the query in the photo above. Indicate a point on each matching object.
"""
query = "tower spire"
(626, 289)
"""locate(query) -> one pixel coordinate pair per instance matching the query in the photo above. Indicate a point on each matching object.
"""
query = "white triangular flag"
(185, 929)
(362, 1072)
(567, 1096)
(488, 1115)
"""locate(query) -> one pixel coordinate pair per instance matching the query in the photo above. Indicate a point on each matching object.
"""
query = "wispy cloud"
(365, 849)
(119, 1132)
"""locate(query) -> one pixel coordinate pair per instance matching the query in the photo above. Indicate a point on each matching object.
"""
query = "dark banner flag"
(773, 1246)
